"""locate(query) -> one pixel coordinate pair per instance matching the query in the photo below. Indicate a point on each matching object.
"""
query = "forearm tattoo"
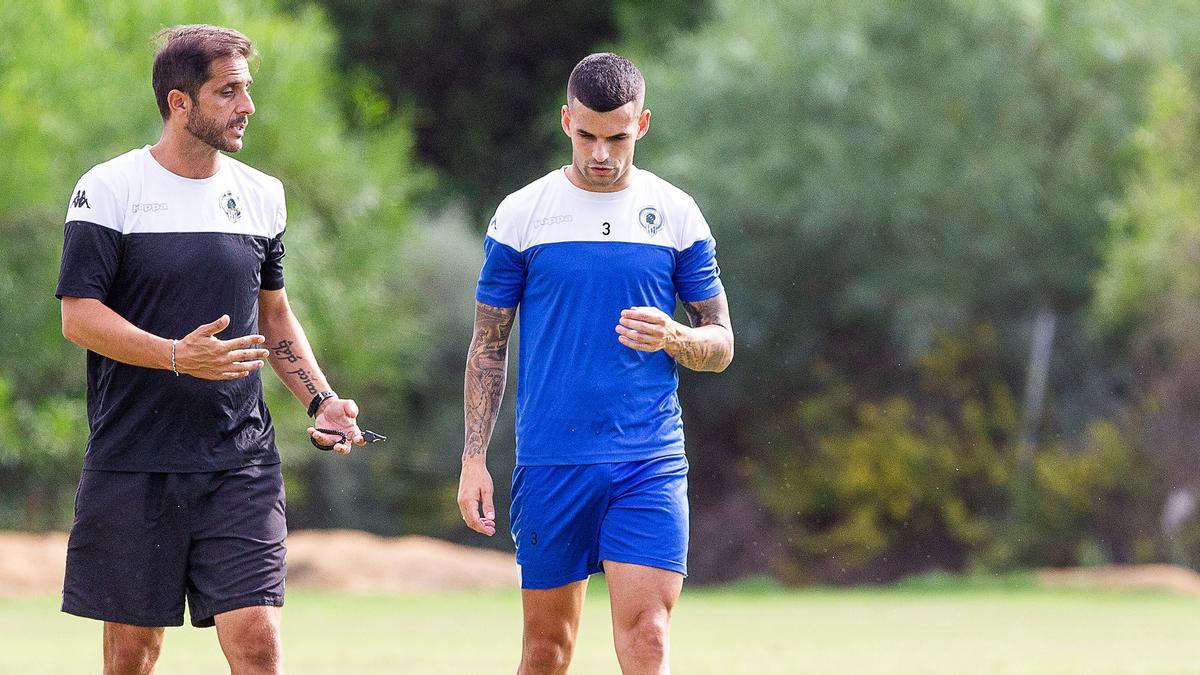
(487, 370)
(710, 349)
(283, 350)
(306, 379)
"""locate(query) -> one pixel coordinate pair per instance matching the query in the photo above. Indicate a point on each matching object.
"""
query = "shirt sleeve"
(271, 274)
(697, 275)
(91, 241)
(502, 279)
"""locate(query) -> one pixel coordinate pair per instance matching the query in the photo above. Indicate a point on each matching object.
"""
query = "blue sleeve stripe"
(502, 279)
(697, 276)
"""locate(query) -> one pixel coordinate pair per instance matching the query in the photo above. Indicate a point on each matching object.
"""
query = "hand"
(202, 355)
(340, 414)
(475, 491)
(647, 329)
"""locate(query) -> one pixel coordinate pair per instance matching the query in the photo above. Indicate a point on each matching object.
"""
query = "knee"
(256, 651)
(546, 654)
(131, 655)
(646, 638)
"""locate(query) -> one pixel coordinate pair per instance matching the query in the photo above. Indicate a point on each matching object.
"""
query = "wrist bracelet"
(318, 400)
(173, 369)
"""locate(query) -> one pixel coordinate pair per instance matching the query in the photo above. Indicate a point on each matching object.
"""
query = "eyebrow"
(589, 133)
(237, 80)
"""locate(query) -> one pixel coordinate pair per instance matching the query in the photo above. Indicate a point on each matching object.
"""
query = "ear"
(643, 124)
(566, 120)
(178, 103)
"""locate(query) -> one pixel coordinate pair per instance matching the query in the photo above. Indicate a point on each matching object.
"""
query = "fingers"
(229, 370)
(247, 341)
(646, 329)
(639, 341)
(489, 511)
(211, 329)
(468, 505)
(651, 314)
(639, 346)
(340, 447)
(656, 330)
(248, 355)
(340, 414)
(243, 367)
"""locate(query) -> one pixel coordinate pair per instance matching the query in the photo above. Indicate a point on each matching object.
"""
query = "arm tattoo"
(283, 350)
(487, 370)
(309, 385)
(711, 346)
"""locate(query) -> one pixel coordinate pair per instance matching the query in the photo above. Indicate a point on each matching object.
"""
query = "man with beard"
(172, 279)
(595, 254)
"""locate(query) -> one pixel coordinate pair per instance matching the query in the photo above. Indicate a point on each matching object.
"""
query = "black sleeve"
(272, 267)
(91, 254)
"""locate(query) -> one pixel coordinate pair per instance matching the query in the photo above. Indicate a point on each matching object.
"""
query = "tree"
(482, 82)
(878, 174)
(1148, 296)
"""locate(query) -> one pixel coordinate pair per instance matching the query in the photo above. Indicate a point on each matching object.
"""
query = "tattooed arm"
(487, 371)
(708, 345)
(293, 361)
(705, 345)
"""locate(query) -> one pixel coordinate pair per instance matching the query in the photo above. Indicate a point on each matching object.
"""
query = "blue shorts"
(567, 519)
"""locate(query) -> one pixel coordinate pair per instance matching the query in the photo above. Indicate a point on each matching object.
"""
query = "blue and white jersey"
(572, 260)
(168, 254)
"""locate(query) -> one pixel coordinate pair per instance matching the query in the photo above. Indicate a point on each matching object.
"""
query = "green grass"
(753, 629)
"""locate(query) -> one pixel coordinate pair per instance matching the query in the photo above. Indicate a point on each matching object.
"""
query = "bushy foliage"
(482, 82)
(876, 490)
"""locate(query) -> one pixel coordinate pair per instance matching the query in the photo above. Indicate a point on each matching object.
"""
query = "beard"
(212, 131)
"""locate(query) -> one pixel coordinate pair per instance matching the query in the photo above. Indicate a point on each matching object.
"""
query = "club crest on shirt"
(650, 220)
(229, 204)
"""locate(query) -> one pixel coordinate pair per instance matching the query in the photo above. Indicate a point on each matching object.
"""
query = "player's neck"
(184, 155)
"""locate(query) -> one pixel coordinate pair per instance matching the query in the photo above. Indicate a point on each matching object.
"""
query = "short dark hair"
(185, 57)
(605, 82)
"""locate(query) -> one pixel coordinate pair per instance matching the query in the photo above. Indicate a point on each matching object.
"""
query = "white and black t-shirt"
(168, 254)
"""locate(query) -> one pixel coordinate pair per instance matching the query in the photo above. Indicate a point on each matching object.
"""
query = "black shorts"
(141, 542)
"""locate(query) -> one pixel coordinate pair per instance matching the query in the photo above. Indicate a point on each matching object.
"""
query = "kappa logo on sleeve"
(80, 200)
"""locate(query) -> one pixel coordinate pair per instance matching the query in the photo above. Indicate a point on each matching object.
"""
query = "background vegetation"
(960, 240)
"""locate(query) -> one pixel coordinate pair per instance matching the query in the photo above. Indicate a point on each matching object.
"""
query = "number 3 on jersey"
(606, 229)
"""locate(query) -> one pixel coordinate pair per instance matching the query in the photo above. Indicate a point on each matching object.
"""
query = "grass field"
(958, 629)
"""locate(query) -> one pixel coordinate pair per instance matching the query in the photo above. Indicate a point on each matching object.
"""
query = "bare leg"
(250, 639)
(642, 600)
(551, 626)
(130, 650)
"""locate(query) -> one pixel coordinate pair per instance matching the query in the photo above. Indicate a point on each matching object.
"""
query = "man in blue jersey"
(172, 279)
(594, 255)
